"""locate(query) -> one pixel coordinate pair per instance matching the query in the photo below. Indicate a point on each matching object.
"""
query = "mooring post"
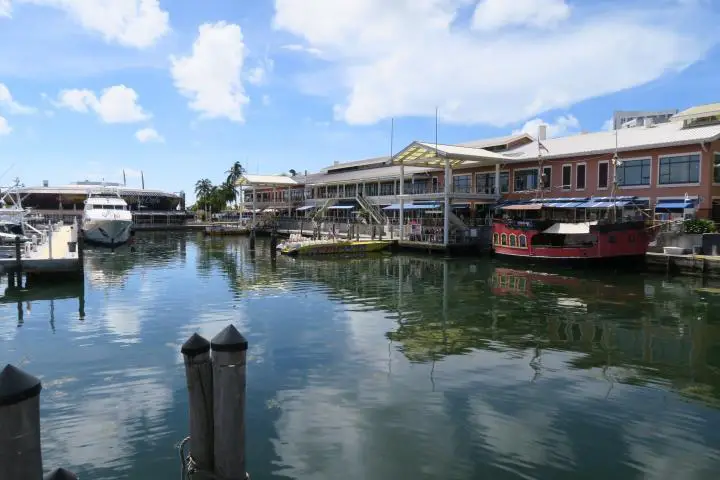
(229, 352)
(18, 261)
(273, 244)
(20, 454)
(60, 474)
(252, 238)
(357, 232)
(373, 232)
(302, 222)
(50, 235)
(198, 374)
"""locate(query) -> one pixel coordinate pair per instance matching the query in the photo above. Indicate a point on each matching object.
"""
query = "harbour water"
(385, 367)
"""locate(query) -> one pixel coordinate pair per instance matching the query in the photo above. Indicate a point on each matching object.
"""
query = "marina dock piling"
(229, 356)
(20, 449)
(252, 238)
(198, 374)
(18, 262)
(273, 243)
(60, 474)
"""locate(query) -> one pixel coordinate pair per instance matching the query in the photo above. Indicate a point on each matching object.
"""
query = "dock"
(51, 253)
(687, 264)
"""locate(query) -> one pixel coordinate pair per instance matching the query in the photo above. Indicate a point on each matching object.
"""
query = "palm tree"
(233, 175)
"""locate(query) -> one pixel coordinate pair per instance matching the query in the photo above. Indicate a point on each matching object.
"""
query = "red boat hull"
(608, 242)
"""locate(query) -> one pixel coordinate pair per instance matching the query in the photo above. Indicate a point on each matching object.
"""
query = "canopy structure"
(341, 207)
(675, 204)
(431, 155)
(265, 181)
(306, 207)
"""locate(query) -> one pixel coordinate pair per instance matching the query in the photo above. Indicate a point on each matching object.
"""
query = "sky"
(182, 89)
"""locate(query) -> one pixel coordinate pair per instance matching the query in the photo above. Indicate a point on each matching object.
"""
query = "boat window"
(496, 239)
(522, 241)
(503, 239)
(513, 240)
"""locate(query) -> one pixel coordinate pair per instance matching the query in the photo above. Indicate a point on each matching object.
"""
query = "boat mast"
(615, 163)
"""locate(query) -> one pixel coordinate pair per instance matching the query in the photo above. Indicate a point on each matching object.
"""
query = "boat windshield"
(108, 207)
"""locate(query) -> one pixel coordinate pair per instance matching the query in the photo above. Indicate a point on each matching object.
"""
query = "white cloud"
(117, 104)
(495, 14)
(133, 23)
(608, 124)
(5, 8)
(211, 75)
(296, 47)
(258, 75)
(8, 104)
(498, 79)
(5, 128)
(146, 135)
(563, 125)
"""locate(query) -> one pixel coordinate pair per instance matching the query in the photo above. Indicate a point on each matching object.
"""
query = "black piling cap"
(17, 386)
(195, 345)
(229, 340)
(60, 474)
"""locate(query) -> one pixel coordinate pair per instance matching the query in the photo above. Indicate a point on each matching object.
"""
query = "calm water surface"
(390, 367)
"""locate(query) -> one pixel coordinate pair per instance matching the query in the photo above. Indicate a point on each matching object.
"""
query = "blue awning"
(674, 204)
(604, 204)
(306, 207)
(575, 204)
(412, 206)
(341, 207)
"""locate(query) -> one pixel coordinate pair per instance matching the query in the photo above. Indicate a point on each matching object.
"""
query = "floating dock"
(49, 254)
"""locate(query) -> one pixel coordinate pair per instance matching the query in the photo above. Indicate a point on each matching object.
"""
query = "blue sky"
(182, 89)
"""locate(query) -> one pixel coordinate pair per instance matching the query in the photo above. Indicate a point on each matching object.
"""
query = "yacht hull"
(111, 233)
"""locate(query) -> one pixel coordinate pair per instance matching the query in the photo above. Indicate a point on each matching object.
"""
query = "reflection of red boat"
(572, 229)
(508, 281)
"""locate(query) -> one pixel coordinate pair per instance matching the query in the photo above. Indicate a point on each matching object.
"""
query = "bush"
(699, 226)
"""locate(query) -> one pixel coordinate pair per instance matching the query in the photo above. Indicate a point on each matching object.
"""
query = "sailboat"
(572, 229)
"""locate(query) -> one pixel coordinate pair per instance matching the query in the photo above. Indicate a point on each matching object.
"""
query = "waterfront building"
(67, 201)
(672, 166)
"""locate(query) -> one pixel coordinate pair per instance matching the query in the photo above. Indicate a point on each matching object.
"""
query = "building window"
(633, 173)
(547, 177)
(522, 241)
(716, 168)
(504, 182)
(580, 176)
(603, 171)
(462, 183)
(503, 239)
(679, 169)
(567, 177)
(485, 183)
(513, 240)
(526, 179)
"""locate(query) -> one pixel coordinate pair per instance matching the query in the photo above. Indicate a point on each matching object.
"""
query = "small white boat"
(106, 219)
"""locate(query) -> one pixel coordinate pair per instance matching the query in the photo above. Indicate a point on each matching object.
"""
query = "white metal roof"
(628, 139)
(85, 189)
(368, 174)
(266, 181)
(709, 110)
(431, 155)
(492, 142)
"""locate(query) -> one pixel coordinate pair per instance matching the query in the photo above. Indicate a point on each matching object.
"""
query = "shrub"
(700, 226)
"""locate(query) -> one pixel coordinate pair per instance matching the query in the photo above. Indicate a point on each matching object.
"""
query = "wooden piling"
(18, 261)
(229, 352)
(273, 244)
(20, 452)
(252, 238)
(60, 474)
(81, 251)
(198, 374)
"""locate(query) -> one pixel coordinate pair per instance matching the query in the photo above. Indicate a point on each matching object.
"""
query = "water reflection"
(380, 367)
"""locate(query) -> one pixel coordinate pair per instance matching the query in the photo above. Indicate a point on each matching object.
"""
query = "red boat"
(572, 229)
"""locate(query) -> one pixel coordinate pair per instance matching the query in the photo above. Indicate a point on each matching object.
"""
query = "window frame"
(607, 178)
(562, 179)
(470, 186)
(577, 168)
(492, 175)
(715, 155)
(685, 154)
(525, 169)
(549, 186)
(634, 159)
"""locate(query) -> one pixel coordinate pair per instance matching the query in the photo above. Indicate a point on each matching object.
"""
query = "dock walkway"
(52, 252)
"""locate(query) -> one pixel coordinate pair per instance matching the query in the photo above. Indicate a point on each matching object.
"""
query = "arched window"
(496, 239)
(513, 240)
(503, 239)
(522, 241)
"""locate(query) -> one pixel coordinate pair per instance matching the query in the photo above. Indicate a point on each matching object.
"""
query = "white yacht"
(106, 219)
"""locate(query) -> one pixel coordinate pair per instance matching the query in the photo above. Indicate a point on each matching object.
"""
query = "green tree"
(233, 175)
